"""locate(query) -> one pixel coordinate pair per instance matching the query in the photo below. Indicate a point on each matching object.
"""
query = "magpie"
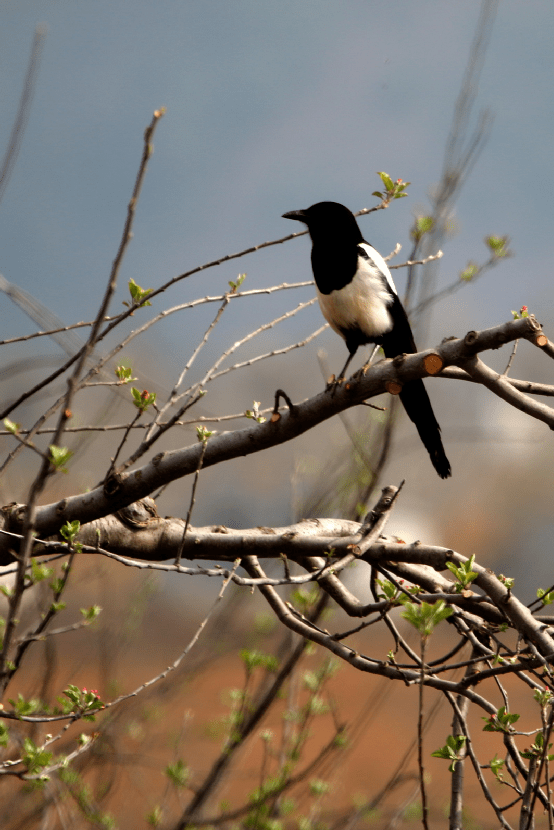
(358, 299)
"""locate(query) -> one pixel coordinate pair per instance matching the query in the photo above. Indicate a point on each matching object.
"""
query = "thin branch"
(504, 389)
(18, 130)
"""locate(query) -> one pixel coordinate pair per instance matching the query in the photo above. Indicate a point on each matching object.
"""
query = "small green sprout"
(463, 573)
(498, 246)
(155, 816)
(82, 701)
(421, 226)
(470, 272)
(507, 581)
(178, 773)
(501, 721)
(203, 434)
(393, 190)
(318, 787)
(425, 617)
(142, 400)
(4, 735)
(253, 659)
(59, 456)
(11, 426)
(34, 758)
(92, 613)
(536, 749)
(237, 284)
(496, 765)
(124, 374)
(451, 751)
(543, 698)
(39, 572)
(546, 597)
(70, 530)
(138, 294)
(254, 413)
(23, 707)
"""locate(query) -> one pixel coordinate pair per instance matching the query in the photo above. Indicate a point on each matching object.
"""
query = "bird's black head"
(327, 221)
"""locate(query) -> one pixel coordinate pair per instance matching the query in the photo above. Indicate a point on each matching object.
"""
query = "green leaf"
(544, 698)
(23, 707)
(508, 582)
(425, 617)
(253, 659)
(498, 246)
(470, 272)
(35, 759)
(390, 591)
(254, 413)
(138, 294)
(393, 189)
(237, 284)
(203, 434)
(305, 598)
(451, 750)
(56, 607)
(155, 817)
(70, 530)
(496, 765)
(59, 456)
(73, 693)
(463, 573)
(546, 598)
(502, 721)
(523, 312)
(4, 735)
(124, 374)
(318, 787)
(57, 585)
(91, 613)
(422, 225)
(39, 572)
(387, 181)
(178, 773)
(11, 426)
(142, 400)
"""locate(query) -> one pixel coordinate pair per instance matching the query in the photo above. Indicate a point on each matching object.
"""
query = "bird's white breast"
(363, 303)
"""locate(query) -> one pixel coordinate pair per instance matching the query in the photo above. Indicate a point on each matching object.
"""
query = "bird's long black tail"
(418, 408)
(400, 340)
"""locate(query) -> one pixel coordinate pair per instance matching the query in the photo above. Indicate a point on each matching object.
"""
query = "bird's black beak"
(300, 215)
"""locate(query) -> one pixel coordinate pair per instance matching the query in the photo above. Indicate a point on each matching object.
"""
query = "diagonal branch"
(129, 487)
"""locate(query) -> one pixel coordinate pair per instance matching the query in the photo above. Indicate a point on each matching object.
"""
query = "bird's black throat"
(334, 266)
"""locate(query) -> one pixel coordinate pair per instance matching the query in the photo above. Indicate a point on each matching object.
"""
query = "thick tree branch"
(129, 487)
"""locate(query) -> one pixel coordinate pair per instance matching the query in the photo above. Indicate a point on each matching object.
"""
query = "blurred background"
(272, 107)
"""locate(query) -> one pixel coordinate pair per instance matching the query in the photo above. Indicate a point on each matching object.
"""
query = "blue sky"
(270, 106)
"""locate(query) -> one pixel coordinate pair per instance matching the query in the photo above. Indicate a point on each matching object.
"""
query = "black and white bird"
(358, 299)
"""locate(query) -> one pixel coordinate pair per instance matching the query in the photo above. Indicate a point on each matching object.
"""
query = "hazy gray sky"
(270, 106)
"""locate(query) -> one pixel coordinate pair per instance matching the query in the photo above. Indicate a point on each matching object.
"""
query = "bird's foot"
(333, 384)
(361, 373)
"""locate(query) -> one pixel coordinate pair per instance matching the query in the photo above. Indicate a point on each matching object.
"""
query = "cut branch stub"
(433, 363)
(393, 387)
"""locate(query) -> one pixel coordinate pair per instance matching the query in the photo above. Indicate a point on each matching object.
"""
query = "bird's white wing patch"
(380, 264)
(363, 303)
